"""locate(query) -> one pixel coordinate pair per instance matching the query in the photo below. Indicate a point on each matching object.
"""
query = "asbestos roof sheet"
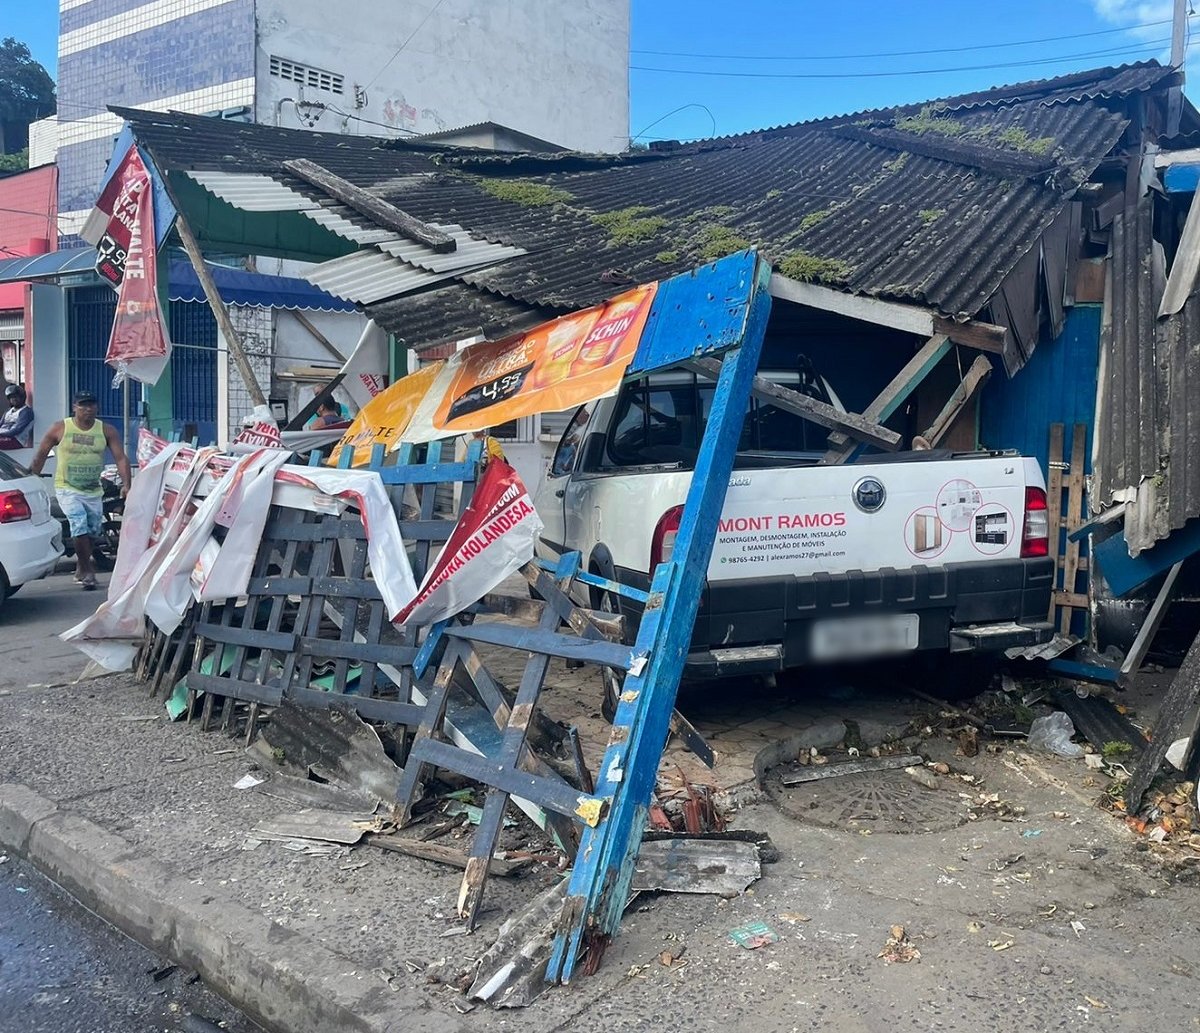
(933, 205)
(1147, 419)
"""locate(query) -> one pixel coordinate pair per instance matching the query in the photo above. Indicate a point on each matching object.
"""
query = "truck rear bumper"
(760, 625)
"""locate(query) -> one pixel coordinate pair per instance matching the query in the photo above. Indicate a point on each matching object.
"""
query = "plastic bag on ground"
(1053, 734)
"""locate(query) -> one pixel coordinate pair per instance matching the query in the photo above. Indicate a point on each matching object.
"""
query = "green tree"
(18, 162)
(26, 94)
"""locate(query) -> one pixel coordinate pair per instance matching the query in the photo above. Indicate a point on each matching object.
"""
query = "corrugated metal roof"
(371, 275)
(1147, 420)
(252, 191)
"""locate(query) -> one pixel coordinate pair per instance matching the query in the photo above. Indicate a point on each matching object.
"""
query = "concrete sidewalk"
(139, 819)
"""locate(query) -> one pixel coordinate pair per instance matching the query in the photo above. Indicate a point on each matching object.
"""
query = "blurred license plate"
(850, 638)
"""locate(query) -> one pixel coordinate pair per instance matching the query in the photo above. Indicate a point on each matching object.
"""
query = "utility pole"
(1178, 52)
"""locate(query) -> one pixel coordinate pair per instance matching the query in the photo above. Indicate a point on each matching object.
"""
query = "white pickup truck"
(924, 550)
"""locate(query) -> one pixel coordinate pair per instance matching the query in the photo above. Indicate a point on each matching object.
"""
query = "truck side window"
(568, 448)
(655, 424)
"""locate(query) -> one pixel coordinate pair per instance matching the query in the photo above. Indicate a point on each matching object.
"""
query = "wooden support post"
(1054, 483)
(976, 377)
(849, 423)
(317, 336)
(1069, 598)
(232, 339)
(893, 396)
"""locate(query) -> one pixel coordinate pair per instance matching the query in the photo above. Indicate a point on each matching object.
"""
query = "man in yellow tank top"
(80, 442)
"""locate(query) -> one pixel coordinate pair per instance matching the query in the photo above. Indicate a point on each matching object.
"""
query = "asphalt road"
(30, 621)
(63, 970)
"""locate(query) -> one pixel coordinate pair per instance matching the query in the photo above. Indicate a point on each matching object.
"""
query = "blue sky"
(733, 67)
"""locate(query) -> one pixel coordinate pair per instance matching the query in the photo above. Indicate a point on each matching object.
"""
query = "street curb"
(284, 981)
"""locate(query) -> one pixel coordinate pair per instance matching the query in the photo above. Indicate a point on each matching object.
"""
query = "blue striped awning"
(237, 287)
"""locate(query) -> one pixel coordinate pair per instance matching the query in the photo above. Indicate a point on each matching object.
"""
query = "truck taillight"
(14, 506)
(1035, 539)
(663, 542)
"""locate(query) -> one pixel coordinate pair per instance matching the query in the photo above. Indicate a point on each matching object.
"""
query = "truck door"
(551, 497)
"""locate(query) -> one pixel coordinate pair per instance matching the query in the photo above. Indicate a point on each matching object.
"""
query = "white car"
(30, 538)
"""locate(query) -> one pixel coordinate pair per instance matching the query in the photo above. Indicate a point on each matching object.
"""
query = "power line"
(911, 71)
(432, 10)
(900, 53)
(682, 107)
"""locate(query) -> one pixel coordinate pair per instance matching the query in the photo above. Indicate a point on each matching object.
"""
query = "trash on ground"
(500, 864)
(753, 935)
(511, 973)
(686, 864)
(923, 777)
(899, 948)
(248, 781)
(851, 767)
(326, 826)
(1053, 733)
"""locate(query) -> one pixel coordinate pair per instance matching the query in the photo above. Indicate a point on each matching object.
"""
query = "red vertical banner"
(127, 257)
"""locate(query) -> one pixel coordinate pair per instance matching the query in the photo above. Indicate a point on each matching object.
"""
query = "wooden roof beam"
(382, 213)
(912, 319)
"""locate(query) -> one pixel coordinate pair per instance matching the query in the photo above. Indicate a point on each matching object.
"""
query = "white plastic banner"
(493, 539)
(111, 636)
(365, 491)
(240, 501)
(365, 372)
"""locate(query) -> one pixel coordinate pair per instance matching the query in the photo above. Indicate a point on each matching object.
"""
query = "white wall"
(556, 69)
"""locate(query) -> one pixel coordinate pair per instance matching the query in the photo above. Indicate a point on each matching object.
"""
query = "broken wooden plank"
(688, 864)
(850, 767)
(1054, 484)
(443, 854)
(893, 396)
(972, 333)
(821, 413)
(367, 204)
(975, 378)
(1150, 626)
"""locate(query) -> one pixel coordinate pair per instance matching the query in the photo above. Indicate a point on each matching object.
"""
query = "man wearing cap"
(80, 441)
(16, 425)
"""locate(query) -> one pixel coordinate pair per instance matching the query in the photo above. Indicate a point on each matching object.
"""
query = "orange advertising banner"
(555, 366)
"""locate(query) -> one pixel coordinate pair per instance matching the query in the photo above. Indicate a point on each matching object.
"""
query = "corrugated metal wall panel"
(194, 371)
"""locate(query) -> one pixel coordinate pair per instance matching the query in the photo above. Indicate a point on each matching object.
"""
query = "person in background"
(329, 416)
(492, 449)
(81, 440)
(343, 412)
(16, 425)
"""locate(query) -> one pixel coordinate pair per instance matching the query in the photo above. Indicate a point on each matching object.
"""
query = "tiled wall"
(191, 55)
(256, 326)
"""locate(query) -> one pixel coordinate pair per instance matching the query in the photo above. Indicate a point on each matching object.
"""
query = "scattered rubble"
(899, 948)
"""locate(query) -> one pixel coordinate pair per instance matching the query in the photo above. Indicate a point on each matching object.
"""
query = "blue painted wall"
(1057, 385)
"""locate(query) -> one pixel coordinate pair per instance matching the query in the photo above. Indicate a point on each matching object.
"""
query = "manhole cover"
(884, 801)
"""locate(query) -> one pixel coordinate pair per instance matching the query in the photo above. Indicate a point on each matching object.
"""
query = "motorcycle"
(104, 545)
